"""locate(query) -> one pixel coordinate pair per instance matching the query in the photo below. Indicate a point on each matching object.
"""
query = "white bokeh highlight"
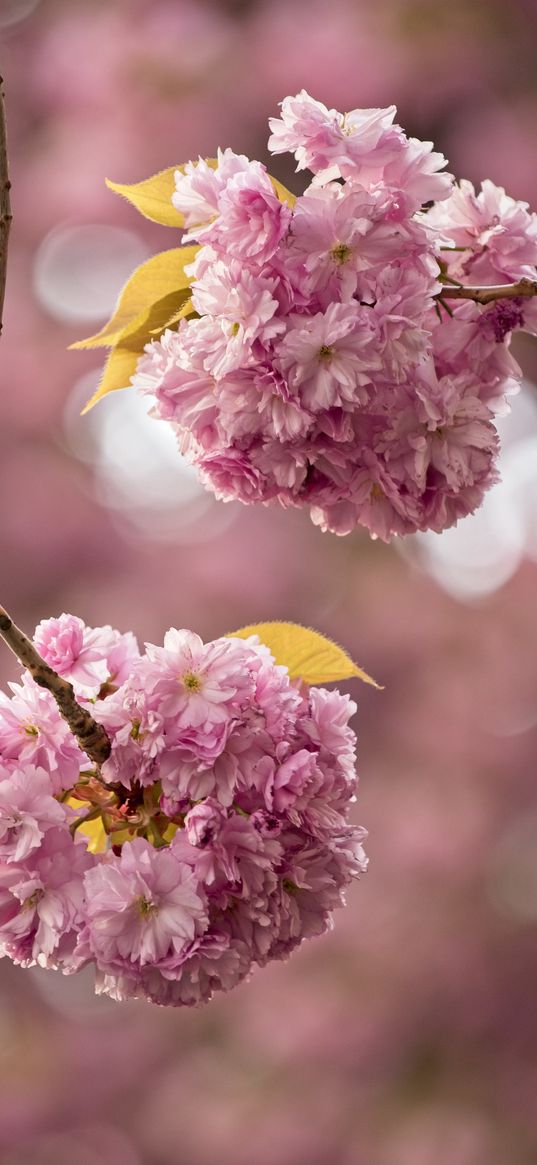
(138, 472)
(80, 270)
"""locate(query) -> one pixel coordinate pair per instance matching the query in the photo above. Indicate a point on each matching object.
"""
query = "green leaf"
(119, 368)
(160, 276)
(306, 654)
(153, 196)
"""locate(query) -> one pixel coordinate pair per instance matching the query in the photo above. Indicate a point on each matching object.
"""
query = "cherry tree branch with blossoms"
(216, 836)
(345, 350)
(91, 736)
(213, 833)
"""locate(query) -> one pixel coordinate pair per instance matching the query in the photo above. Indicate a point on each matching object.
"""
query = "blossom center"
(326, 352)
(145, 906)
(31, 902)
(192, 682)
(31, 730)
(341, 253)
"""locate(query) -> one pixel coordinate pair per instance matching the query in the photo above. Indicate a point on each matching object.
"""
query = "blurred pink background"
(407, 1036)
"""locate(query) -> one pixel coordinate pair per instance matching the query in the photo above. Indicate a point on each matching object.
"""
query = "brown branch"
(91, 736)
(5, 202)
(483, 295)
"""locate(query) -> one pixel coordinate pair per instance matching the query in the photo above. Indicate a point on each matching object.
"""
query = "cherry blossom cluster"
(325, 365)
(214, 838)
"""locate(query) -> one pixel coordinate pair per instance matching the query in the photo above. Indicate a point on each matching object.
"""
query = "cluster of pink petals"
(320, 369)
(226, 798)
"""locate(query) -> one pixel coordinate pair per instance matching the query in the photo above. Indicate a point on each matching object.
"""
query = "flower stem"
(521, 290)
(5, 202)
(91, 736)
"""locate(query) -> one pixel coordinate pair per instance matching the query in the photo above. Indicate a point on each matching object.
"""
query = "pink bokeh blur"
(408, 1036)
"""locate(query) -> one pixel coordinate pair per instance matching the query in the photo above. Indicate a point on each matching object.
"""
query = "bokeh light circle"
(80, 270)
(139, 473)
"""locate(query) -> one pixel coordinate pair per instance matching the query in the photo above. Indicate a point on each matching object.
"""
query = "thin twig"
(91, 736)
(5, 202)
(521, 290)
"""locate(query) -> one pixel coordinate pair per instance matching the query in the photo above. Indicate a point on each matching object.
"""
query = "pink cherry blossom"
(61, 643)
(219, 820)
(32, 731)
(330, 358)
(184, 393)
(87, 656)
(329, 235)
(498, 234)
(195, 682)
(142, 908)
(242, 306)
(27, 810)
(42, 900)
(251, 219)
(214, 963)
(138, 734)
(321, 138)
(198, 186)
(415, 174)
(323, 364)
(232, 476)
(327, 725)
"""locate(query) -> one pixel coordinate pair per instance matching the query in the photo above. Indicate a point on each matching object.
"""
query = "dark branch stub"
(5, 202)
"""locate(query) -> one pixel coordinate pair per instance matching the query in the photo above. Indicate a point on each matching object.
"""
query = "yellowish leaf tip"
(306, 653)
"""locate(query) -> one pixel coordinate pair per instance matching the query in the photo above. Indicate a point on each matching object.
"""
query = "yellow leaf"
(306, 654)
(119, 368)
(162, 275)
(186, 310)
(283, 193)
(151, 323)
(94, 831)
(153, 196)
(120, 836)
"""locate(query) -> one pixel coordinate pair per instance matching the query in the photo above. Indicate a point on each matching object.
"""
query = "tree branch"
(5, 202)
(91, 736)
(483, 295)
